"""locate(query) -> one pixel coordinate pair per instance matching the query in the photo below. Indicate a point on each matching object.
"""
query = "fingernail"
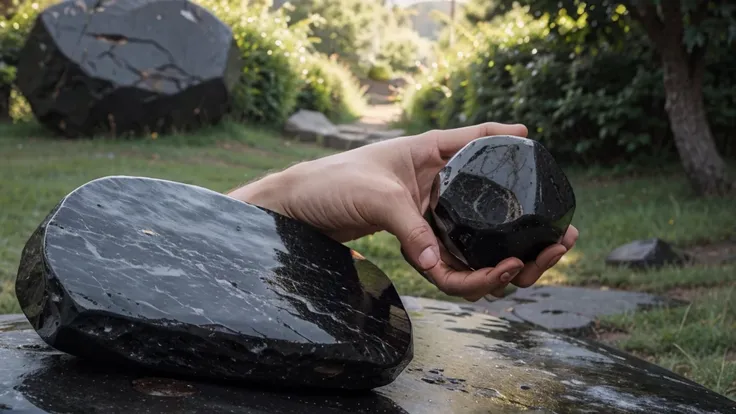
(428, 259)
(506, 277)
(554, 260)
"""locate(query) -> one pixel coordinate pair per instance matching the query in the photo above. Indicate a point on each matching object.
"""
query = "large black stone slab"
(465, 362)
(573, 310)
(185, 280)
(646, 254)
(118, 67)
(500, 197)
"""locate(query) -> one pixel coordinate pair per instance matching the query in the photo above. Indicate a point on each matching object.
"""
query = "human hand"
(386, 186)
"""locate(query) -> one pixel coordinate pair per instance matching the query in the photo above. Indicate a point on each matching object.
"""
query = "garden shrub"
(15, 25)
(329, 87)
(271, 51)
(402, 48)
(380, 71)
(602, 103)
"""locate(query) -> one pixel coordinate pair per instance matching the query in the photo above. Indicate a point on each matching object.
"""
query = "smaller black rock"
(500, 197)
(643, 254)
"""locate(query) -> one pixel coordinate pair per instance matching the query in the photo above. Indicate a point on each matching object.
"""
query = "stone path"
(572, 310)
(373, 126)
(314, 127)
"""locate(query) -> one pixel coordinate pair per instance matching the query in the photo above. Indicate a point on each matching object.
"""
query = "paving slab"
(345, 141)
(573, 310)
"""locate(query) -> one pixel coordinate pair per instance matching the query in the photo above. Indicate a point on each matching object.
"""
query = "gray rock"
(642, 254)
(353, 129)
(309, 126)
(384, 135)
(345, 141)
(569, 309)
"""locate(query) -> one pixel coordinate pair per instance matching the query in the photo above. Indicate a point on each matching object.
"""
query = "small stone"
(197, 283)
(344, 141)
(309, 126)
(569, 309)
(500, 197)
(353, 129)
(642, 254)
(384, 135)
(128, 67)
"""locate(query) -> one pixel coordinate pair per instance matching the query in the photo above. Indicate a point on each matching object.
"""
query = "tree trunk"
(685, 106)
(5, 91)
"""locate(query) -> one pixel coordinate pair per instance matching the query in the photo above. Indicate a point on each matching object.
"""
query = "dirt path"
(380, 117)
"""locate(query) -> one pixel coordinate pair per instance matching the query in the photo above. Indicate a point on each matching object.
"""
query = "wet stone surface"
(464, 362)
(643, 254)
(119, 67)
(572, 310)
(188, 281)
(504, 195)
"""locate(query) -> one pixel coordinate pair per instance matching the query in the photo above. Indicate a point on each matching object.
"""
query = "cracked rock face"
(174, 277)
(501, 197)
(119, 67)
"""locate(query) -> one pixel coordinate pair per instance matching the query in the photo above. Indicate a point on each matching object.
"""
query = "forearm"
(267, 192)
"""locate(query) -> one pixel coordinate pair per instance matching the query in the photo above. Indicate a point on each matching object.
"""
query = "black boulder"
(181, 279)
(128, 67)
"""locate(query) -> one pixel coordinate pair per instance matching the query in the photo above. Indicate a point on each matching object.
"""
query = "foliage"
(343, 27)
(14, 28)
(403, 49)
(601, 102)
(271, 52)
(361, 32)
(703, 22)
(15, 23)
(329, 87)
(380, 72)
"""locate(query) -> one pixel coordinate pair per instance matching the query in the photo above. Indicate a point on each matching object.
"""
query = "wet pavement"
(464, 362)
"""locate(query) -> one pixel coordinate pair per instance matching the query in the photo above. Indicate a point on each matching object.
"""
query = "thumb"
(418, 241)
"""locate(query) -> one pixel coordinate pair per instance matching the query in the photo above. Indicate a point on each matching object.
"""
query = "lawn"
(696, 340)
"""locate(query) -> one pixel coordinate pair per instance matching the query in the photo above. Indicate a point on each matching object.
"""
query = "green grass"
(37, 171)
(698, 340)
(614, 207)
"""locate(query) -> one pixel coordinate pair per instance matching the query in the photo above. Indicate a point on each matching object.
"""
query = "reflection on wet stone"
(118, 67)
(187, 281)
(500, 197)
(512, 368)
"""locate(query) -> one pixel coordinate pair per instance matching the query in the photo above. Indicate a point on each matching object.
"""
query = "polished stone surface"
(189, 281)
(118, 67)
(644, 254)
(500, 197)
(573, 310)
(465, 362)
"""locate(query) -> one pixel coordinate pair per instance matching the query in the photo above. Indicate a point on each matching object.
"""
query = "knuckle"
(418, 233)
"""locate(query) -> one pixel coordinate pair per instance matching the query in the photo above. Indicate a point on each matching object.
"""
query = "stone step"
(312, 126)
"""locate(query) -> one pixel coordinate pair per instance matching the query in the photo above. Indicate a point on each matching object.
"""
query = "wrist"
(269, 192)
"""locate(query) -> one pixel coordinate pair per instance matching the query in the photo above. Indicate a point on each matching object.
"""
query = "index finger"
(450, 141)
